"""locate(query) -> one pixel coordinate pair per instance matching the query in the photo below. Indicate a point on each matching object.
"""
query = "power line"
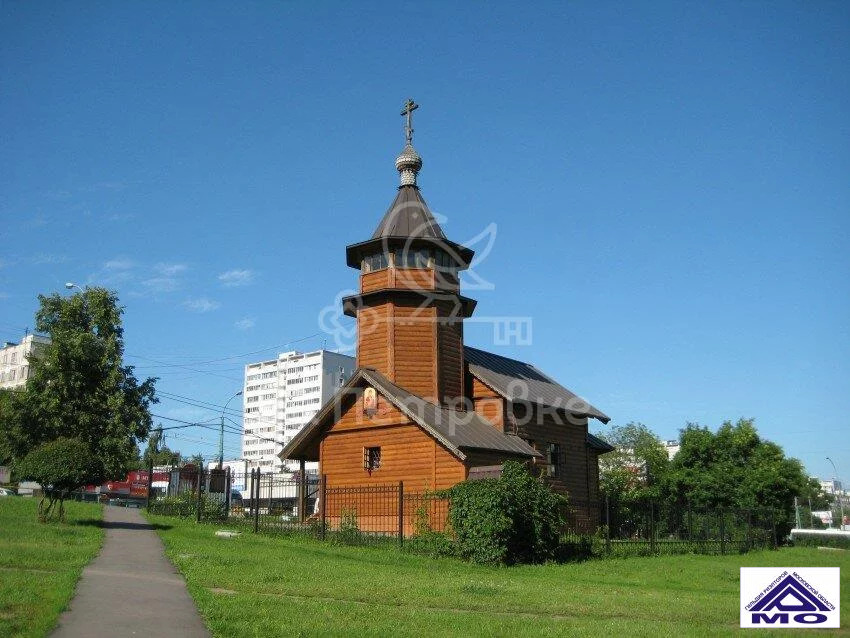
(235, 356)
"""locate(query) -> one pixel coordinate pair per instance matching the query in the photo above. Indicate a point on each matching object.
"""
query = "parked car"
(6, 491)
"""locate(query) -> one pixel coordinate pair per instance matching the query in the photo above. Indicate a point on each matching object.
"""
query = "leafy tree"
(60, 466)
(158, 454)
(637, 466)
(80, 387)
(632, 475)
(6, 456)
(734, 467)
(197, 460)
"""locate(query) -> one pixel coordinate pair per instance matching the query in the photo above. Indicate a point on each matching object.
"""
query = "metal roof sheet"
(408, 216)
(520, 381)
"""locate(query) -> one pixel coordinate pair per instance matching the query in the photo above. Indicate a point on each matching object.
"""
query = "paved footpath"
(130, 589)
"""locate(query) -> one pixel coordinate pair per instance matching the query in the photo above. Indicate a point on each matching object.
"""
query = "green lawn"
(259, 585)
(40, 563)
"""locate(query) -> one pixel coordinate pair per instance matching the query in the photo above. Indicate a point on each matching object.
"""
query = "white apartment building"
(281, 395)
(14, 360)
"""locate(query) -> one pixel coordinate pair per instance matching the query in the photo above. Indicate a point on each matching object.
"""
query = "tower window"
(374, 262)
(371, 458)
(408, 258)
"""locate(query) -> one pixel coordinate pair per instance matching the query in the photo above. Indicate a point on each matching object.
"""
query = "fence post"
(607, 527)
(722, 533)
(256, 483)
(302, 492)
(227, 489)
(749, 530)
(323, 504)
(198, 498)
(150, 482)
(797, 521)
(271, 491)
(652, 528)
(690, 525)
(401, 514)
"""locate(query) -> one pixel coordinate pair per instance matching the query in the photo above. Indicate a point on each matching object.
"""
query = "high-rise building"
(15, 360)
(281, 395)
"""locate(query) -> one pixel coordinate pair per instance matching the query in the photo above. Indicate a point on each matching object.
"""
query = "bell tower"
(409, 309)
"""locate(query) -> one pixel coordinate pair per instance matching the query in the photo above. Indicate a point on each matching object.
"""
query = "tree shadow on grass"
(96, 522)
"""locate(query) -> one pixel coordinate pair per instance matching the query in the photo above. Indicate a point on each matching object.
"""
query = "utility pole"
(837, 493)
(221, 431)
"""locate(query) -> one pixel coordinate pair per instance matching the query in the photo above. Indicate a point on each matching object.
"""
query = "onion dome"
(408, 164)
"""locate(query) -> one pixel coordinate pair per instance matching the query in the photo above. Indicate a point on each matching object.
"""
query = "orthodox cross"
(409, 107)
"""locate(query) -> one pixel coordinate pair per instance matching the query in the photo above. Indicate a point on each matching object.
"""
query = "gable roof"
(520, 381)
(456, 430)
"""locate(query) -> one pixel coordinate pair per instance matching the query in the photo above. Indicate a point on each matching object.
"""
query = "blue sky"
(668, 183)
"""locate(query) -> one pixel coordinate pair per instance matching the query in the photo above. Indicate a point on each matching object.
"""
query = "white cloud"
(236, 277)
(201, 304)
(169, 270)
(245, 324)
(161, 284)
(48, 258)
(119, 264)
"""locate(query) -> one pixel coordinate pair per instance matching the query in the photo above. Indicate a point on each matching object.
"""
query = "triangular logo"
(789, 594)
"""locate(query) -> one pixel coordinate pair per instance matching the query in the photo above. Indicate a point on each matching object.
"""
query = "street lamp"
(221, 431)
(70, 285)
(837, 492)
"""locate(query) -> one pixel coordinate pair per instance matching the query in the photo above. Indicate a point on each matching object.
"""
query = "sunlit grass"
(261, 585)
(40, 563)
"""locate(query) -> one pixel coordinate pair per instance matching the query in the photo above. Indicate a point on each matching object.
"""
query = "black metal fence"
(283, 503)
(389, 513)
(650, 528)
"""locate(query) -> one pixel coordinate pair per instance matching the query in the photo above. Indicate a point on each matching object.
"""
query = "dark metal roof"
(456, 430)
(598, 444)
(519, 381)
(463, 306)
(408, 223)
(408, 216)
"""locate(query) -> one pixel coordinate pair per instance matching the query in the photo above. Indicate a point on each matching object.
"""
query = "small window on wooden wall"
(553, 459)
(371, 458)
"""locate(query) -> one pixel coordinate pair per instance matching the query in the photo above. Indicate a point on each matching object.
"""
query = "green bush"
(512, 519)
(349, 531)
(184, 505)
(60, 466)
(821, 540)
(431, 543)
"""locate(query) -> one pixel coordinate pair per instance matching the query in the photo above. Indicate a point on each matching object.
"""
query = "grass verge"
(261, 585)
(40, 563)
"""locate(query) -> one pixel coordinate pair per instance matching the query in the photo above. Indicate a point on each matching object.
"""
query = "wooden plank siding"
(377, 280)
(578, 466)
(373, 323)
(415, 350)
(450, 360)
(408, 453)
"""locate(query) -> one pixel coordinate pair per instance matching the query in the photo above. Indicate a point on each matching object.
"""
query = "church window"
(371, 458)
